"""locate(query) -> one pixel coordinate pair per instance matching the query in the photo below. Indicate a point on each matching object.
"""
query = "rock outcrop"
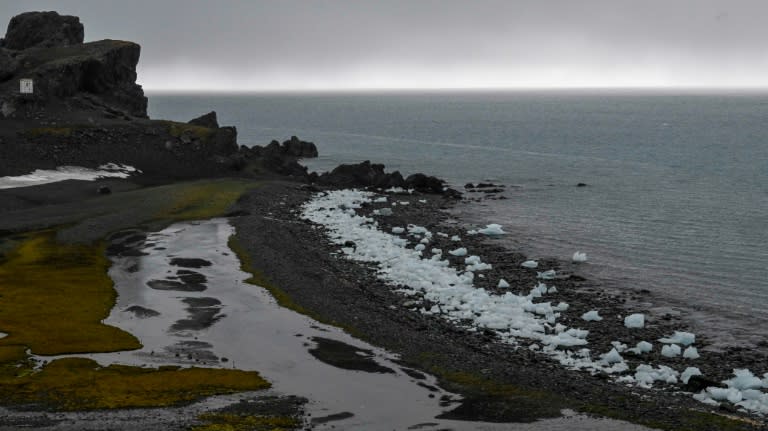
(42, 30)
(208, 120)
(68, 75)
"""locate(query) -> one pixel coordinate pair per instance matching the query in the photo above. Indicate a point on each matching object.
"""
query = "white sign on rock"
(26, 86)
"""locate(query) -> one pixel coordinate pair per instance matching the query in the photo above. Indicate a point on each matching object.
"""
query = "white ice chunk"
(472, 232)
(546, 275)
(670, 350)
(385, 211)
(744, 379)
(419, 247)
(688, 373)
(703, 397)
(455, 238)
(579, 257)
(642, 347)
(691, 353)
(679, 337)
(424, 241)
(530, 264)
(592, 316)
(458, 252)
(636, 320)
(380, 199)
(612, 357)
(492, 230)
(398, 230)
(503, 284)
(646, 375)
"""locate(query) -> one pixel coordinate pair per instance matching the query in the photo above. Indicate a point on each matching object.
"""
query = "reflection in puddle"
(222, 321)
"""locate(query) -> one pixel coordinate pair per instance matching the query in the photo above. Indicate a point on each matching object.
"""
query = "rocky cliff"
(69, 76)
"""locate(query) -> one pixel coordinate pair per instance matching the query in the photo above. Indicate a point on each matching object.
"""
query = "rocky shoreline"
(90, 112)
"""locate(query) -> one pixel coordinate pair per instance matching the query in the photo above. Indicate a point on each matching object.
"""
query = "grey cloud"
(291, 43)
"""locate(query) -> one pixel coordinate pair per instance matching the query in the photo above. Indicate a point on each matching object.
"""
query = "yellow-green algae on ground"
(81, 384)
(199, 201)
(53, 297)
(234, 422)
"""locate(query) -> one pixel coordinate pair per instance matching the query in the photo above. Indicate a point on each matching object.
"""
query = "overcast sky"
(351, 44)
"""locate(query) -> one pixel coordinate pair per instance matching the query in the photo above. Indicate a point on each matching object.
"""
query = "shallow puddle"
(181, 292)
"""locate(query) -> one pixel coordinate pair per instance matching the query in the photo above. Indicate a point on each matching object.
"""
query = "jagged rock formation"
(42, 30)
(68, 75)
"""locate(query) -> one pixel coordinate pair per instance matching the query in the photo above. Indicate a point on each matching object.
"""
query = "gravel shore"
(499, 383)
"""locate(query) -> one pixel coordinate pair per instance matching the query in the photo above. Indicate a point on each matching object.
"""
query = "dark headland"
(87, 110)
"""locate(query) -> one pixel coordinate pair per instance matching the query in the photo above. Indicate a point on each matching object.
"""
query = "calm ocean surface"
(677, 201)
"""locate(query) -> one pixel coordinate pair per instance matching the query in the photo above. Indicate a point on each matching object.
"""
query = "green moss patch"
(53, 297)
(177, 129)
(198, 201)
(81, 384)
(60, 132)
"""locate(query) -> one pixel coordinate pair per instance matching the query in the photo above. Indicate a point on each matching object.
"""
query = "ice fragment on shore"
(546, 275)
(691, 353)
(530, 264)
(458, 252)
(442, 234)
(475, 264)
(636, 320)
(646, 375)
(670, 350)
(437, 251)
(398, 230)
(385, 211)
(419, 247)
(424, 241)
(679, 337)
(381, 199)
(503, 284)
(492, 230)
(688, 373)
(472, 232)
(579, 257)
(703, 397)
(455, 238)
(744, 379)
(641, 347)
(422, 201)
(612, 357)
(591, 316)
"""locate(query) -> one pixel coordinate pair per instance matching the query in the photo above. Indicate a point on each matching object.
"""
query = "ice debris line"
(525, 320)
(62, 173)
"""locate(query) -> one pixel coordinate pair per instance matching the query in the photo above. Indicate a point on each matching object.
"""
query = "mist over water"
(677, 196)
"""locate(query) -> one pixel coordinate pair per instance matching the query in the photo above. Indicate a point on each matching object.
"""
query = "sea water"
(676, 200)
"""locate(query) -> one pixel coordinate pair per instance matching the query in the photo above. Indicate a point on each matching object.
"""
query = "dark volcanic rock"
(425, 183)
(42, 30)
(297, 148)
(100, 76)
(365, 174)
(208, 120)
(47, 48)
